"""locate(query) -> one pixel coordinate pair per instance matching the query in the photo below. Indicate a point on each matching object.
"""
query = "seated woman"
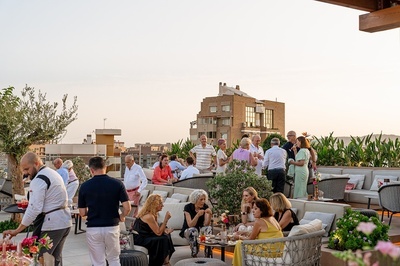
(162, 173)
(156, 238)
(283, 212)
(265, 227)
(246, 208)
(197, 214)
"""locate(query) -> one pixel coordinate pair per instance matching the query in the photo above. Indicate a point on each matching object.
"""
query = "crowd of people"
(106, 201)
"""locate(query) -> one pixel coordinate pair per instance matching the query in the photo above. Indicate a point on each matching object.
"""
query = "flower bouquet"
(33, 245)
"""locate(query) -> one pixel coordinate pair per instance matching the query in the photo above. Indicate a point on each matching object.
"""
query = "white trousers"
(103, 244)
(71, 190)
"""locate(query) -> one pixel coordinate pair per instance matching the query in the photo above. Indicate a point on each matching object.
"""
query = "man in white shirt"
(275, 162)
(190, 170)
(134, 180)
(205, 153)
(47, 194)
(258, 152)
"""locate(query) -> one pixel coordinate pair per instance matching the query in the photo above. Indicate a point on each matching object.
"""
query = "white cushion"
(359, 179)
(181, 197)
(171, 200)
(163, 194)
(326, 218)
(304, 221)
(143, 196)
(374, 186)
(339, 176)
(177, 215)
(313, 226)
(325, 176)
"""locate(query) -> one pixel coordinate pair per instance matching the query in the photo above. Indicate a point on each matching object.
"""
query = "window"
(224, 135)
(250, 116)
(269, 118)
(211, 135)
(226, 108)
(213, 109)
(226, 121)
(199, 134)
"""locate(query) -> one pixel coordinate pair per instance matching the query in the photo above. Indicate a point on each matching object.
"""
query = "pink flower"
(366, 228)
(388, 248)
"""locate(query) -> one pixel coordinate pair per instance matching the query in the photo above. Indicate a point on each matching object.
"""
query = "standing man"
(205, 153)
(99, 200)
(288, 147)
(47, 207)
(258, 152)
(61, 170)
(134, 180)
(275, 162)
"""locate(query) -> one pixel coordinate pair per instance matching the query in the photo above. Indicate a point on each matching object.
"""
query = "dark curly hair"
(264, 206)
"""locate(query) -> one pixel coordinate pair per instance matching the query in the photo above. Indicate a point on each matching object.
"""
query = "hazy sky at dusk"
(147, 65)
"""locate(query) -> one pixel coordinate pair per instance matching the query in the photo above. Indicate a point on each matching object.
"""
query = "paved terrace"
(76, 252)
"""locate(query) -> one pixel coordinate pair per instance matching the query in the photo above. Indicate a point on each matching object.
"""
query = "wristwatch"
(243, 213)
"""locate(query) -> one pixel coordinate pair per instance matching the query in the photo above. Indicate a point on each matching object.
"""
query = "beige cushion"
(181, 197)
(171, 200)
(143, 196)
(313, 226)
(163, 194)
(381, 178)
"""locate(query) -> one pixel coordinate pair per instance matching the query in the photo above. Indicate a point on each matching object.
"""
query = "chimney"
(237, 87)
(89, 138)
(224, 84)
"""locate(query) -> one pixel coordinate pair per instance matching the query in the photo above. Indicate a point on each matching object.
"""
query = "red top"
(161, 176)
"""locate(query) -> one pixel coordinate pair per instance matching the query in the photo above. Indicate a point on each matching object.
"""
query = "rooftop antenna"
(104, 123)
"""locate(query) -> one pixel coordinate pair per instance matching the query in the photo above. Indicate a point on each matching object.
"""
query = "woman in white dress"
(222, 159)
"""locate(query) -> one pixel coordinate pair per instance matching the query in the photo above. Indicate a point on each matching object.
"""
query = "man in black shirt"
(99, 199)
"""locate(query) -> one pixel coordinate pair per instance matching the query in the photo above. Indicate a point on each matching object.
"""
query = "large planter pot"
(328, 259)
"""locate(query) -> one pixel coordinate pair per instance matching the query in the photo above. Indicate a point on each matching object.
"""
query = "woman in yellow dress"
(265, 227)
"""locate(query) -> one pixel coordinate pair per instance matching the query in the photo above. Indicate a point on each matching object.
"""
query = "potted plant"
(226, 189)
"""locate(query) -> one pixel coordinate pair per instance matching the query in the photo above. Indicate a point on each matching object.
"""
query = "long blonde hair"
(150, 206)
(252, 192)
(279, 202)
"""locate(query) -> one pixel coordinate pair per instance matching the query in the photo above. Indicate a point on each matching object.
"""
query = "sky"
(145, 66)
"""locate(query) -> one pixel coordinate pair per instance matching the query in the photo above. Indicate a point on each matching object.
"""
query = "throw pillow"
(350, 186)
(181, 197)
(326, 218)
(143, 196)
(163, 194)
(312, 226)
(171, 200)
(357, 178)
(380, 178)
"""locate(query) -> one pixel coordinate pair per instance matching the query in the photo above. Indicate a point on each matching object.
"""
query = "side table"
(130, 257)
(201, 261)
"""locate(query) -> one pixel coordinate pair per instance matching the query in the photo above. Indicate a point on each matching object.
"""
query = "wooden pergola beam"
(364, 5)
(385, 19)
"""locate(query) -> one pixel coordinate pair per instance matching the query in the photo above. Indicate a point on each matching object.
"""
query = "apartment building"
(233, 113)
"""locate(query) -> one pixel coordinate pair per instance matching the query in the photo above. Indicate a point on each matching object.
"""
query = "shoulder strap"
(45, 179)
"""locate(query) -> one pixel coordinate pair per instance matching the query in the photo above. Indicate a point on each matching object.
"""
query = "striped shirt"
(203, 155)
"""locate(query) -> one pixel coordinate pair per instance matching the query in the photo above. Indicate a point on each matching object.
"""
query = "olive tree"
(27, 120)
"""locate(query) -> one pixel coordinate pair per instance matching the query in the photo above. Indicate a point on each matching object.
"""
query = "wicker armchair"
(332, 187)
(389, 196)
(302, 250)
